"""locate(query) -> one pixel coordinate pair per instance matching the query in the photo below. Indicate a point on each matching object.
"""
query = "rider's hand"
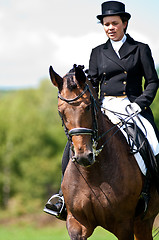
(133, 108)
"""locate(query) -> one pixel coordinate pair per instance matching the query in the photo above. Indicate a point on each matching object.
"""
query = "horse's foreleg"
(124, 230)
(143, 229)
(77, 231)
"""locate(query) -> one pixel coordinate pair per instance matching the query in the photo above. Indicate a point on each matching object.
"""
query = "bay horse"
(101, 187)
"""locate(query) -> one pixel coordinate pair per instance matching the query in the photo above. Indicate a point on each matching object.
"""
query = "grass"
(43, 227)
(46, 233)
(29, 233)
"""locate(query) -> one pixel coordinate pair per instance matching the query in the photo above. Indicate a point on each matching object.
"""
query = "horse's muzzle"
(84, 159)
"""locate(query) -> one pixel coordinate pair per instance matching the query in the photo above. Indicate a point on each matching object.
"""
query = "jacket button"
(104, 73)
(105, 94)
(105, 83)
(124, 82)
(124, 93)
(125, 72)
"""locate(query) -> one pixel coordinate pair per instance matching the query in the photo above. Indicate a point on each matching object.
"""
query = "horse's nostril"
(79, 148)
(90, 155)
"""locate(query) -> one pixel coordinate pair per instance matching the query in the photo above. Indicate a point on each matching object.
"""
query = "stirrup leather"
(54, 199)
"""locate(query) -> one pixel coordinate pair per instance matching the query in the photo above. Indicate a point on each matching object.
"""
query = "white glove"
(133, 108)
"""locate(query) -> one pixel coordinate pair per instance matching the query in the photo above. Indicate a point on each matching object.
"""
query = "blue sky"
(35, 34)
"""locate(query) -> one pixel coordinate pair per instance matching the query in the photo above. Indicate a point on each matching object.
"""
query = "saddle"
(139, 140)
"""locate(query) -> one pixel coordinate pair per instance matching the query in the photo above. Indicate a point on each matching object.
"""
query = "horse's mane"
(71, 84)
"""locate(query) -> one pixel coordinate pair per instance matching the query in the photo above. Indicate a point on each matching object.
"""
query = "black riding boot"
(56, 205)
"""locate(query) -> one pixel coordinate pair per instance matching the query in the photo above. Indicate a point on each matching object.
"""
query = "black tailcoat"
(123, 76)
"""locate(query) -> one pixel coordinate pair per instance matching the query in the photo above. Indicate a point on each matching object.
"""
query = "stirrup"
(54, 199)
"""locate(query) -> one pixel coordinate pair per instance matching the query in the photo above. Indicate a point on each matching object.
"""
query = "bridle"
(94, 131)
(80, 131)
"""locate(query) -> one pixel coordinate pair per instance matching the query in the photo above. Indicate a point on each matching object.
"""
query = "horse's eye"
(88, 107)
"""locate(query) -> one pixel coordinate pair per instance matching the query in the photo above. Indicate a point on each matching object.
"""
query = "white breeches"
(118, 104)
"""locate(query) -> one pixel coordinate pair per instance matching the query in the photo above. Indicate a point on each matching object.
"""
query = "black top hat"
(111, 8)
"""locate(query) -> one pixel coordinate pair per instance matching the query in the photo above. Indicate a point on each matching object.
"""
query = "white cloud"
(37, 34)
(33, 36)
(72, 50)
(148, 39)
(28, 58)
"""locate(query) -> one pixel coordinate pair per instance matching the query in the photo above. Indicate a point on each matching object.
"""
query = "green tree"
(32, 142)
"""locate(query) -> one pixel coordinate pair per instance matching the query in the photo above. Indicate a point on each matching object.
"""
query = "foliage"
(32, 142)
(155, 109)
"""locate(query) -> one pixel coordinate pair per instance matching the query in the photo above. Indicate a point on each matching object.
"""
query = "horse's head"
(77, 110)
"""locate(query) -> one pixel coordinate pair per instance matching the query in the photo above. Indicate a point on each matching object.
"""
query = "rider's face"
(114, 27)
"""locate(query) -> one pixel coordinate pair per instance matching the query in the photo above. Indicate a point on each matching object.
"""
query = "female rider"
(117, 68)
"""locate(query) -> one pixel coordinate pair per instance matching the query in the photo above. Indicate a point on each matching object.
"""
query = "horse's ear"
(80, 75)
(55, 78)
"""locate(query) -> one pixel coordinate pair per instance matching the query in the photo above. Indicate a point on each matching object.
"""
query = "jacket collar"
(127, 47)
(125, 50)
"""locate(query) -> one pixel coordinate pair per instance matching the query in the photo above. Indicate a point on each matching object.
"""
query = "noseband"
(80, 131)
